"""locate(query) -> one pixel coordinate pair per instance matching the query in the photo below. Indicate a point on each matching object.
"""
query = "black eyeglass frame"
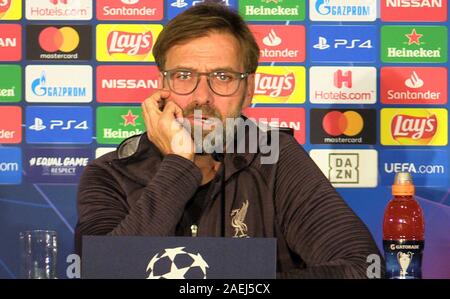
(208, 75)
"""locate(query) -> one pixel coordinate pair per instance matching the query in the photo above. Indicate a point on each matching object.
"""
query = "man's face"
(214, 52)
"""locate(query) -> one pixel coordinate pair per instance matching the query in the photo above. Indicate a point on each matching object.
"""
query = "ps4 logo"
(64, 125)
(344, 43)
(182, 3)
(38, 125)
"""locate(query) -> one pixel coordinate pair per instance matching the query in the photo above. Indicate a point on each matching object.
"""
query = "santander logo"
(414, 81)
(414, 127)
(274, 85)
(129, 43)
(272, 39)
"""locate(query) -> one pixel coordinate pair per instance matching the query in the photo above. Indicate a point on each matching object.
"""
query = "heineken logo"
(129, 119)
(272, 10)
(425, 44)
(10, 83)
(7, 92)
(413, 37)
(267, 11)
(119, 134)
(114, 124)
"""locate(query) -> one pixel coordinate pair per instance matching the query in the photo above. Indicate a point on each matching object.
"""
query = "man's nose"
(203, 94)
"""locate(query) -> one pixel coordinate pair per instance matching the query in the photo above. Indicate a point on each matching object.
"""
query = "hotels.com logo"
(274, 85)
(58, 10)
(414, 127)
(342, 85)
(129, 43)
(55, 2)
(342, 79)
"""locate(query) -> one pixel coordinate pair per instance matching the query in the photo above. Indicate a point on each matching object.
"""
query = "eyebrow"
(227, 69)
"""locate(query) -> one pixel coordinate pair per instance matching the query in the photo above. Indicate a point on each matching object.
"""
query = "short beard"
(219, 132)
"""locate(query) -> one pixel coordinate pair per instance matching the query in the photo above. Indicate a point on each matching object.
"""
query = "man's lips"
(204, 120)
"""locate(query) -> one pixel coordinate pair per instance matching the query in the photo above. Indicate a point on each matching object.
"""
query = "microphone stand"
(220, 158)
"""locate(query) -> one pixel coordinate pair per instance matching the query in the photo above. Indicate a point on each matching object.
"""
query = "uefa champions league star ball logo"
(177, 263)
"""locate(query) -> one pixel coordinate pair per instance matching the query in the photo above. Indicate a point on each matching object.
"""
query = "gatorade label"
(403, 259)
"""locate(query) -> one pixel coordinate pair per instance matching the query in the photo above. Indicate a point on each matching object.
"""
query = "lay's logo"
(10, 9)
(131, 42)
(280, 85)
(414, 126)
(275, 86)
(4, 6)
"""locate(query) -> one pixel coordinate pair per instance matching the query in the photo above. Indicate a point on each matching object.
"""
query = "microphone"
(219, 157)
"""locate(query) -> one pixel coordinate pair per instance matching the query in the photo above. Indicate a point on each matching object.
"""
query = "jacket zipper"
(194, 230)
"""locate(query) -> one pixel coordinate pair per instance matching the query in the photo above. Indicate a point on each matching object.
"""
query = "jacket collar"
(139, 149)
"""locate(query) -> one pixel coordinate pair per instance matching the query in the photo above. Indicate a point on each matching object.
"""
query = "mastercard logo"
(65, 39)
(349, 123)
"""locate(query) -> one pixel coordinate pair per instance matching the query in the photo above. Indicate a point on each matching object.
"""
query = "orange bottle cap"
(403, 185)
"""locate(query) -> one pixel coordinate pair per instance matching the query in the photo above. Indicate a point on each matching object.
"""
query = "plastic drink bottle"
(403, 231)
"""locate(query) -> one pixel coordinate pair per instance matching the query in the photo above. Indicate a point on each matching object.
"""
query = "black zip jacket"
(137, 191)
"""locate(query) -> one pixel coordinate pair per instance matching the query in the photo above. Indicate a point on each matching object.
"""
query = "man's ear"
(249, 92)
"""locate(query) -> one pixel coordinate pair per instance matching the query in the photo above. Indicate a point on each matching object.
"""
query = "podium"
(140, 257)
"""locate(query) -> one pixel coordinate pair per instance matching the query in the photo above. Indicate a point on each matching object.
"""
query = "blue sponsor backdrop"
(29, 201)
(55, 164)
(176, 7)
(345, 43)
(429, 168)
(50, 124)
(10, 166)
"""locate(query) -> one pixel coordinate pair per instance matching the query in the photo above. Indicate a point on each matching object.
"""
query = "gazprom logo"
(336, 10)
(40, 88)
(57, 83)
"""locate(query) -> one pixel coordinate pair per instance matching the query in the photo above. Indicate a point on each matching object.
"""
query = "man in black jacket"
(163, 183)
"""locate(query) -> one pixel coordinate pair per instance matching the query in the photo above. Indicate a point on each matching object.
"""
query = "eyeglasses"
(222, 83)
